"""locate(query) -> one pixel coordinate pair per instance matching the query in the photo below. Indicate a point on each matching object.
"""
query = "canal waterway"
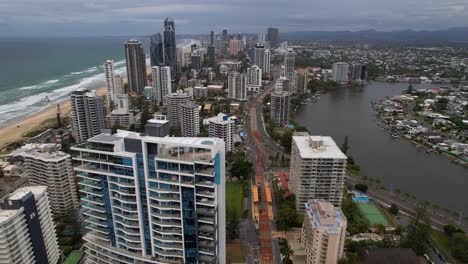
(397, 163)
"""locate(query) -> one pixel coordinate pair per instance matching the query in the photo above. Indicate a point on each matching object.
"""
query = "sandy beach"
(14, 132)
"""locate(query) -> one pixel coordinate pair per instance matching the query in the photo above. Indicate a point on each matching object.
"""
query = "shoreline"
(14, 130)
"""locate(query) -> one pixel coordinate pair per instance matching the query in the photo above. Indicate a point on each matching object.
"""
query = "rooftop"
(19, 193)
(221, 118)
(318, 147)
(322, 214)
(46, 152)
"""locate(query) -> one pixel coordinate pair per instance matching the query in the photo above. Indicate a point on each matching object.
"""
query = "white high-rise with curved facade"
(152, 200)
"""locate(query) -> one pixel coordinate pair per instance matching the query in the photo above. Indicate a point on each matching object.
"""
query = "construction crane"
(57, 113)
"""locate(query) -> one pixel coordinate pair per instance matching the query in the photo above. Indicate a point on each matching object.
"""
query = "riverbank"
(14, 131)
(396, 164)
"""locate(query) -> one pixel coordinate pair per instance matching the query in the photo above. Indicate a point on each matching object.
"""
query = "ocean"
(35, 73)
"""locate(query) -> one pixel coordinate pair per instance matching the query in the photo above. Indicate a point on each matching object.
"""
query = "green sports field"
(373, 214)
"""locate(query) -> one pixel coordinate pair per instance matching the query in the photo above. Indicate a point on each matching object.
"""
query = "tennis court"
(373, 214)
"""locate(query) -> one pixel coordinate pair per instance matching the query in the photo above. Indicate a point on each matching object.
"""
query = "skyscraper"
(212, 38)
(27, 228)
(153, 200)
(136, 66)
(211, 56)
(225, 35)
(170, 58)
(254, 75)
(110, 85)
(174, 101)
(266, 61)
(190, 125)
(340, 72)
(46, 165)
(233, 47)
(280, 107)
(317, 170)
(323, 232)
(156, 50)
(273, 37)
(196, 61)
(161, 76)
(289, 67)
(237, 86)
(259, 56)
(223, 127)
(87, 114)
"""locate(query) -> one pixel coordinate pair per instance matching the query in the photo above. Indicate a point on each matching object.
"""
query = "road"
(439, 218)
(258, 147)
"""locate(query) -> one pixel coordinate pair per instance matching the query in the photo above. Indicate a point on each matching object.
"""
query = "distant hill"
(451, 34)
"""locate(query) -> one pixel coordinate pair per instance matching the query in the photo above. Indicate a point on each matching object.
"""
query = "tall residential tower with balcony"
(152, 200)
(317, 169)
(27, 231)
(45, 164)
(323, 232)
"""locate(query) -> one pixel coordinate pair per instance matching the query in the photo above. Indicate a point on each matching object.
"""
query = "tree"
(410, 89)
(232, 226)
(345, 146)
(458, 244)
(450, 230)
(419, 231)
(145, 116)
(286, 140)
(285, 251)
(286, 218)
(361, 187)
(394, 209)
(240, 166)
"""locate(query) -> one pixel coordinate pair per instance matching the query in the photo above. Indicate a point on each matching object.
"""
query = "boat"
(395, 136)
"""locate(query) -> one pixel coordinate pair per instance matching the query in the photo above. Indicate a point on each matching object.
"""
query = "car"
(427, 257)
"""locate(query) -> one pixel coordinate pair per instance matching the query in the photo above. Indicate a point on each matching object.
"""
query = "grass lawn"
(236, 252)
(441, 241)
(234, 197)
(74, 257)
(373, 214)
(279, 131)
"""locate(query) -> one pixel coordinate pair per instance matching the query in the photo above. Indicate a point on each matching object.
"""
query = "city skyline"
(126, 18)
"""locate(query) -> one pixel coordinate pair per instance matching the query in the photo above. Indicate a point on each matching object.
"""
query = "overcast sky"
(141, 17)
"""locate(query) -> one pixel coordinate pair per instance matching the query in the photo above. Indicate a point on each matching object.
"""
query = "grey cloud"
(99, 17)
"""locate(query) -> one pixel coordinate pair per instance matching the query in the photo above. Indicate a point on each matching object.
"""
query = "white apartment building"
(289, 68)
(46, 165)
(190, 126)
(152, 200)
(174, 101)
(27, 230)
(237, 86)
(109, 75)
(340, 72)
(87, 114)
(223, 127)
(280, 105)
(161, 76)
(266, 61)
(323, 232)
(317, 169)
(254, 75)
(282, 84)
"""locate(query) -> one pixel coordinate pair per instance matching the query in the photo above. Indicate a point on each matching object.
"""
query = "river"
(397, 163)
